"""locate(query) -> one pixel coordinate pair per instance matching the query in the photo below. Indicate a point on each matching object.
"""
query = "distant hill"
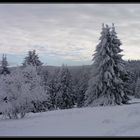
(73, 69)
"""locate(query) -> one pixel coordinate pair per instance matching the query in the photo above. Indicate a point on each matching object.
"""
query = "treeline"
(32, 88)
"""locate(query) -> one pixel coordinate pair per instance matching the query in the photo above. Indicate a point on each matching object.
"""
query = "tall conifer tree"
(106, 86)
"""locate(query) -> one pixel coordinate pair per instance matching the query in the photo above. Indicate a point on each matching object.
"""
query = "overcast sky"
(65, 33)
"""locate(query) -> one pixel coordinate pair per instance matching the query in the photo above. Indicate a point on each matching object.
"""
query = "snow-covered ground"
(96, 121)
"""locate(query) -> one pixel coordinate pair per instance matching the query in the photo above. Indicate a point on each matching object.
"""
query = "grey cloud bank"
(66, 33)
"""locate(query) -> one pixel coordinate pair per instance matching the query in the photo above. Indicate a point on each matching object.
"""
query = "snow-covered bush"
(12, 97)
(20, 92)
(35, 88)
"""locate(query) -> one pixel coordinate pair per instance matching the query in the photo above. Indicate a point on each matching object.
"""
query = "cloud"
(69, 32)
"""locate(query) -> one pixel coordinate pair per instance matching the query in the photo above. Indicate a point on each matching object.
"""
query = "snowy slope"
(97, 121)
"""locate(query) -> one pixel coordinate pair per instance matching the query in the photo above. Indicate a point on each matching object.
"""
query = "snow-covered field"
(96, 121)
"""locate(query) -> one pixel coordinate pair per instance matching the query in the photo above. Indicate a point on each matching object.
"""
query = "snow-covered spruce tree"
(49, 83)
(52, 90)
(4, 66)
(44, 74)
(134, 74)
(106, 86)
(32, 59)
(65, 95)
(129, 82)
(81, 86)
(137, 88)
